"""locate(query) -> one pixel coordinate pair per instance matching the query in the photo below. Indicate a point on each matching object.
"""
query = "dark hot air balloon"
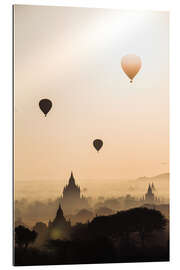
(98, 144)
(45, 105)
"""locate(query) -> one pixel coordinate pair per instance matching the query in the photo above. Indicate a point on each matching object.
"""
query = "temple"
(71, 199)
(59, 228)
(150, 196)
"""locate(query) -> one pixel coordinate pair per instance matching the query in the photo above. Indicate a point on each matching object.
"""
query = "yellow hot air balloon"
(131, 65)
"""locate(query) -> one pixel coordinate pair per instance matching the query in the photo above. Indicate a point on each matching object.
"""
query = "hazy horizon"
(44, 190)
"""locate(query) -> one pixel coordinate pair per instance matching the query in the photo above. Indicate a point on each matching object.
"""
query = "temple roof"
(149, 189)
(59, 212)
(71, 187)
(72, 180)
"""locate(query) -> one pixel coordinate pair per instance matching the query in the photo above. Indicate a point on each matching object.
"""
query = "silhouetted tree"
(146, 221)
(105, 239)
(141, 220)
(80, 232)
(24, 236)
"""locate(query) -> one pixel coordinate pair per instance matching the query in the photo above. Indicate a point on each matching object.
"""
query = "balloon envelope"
(131, 65)
(98, 144)
(45, 105)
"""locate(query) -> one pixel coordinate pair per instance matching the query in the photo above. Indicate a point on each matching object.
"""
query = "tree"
(24, 236)
(141, 220)
(147, 221)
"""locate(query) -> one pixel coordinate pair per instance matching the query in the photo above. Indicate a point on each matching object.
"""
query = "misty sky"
(72, 56)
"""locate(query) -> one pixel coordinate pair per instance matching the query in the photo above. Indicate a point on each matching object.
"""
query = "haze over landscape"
(44, 190)
(91, 135)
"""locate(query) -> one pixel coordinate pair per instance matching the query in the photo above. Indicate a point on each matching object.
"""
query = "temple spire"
(59, 212)
(149, 189)
(71, 179)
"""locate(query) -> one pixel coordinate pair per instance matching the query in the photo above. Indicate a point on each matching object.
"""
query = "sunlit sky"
(73, 57)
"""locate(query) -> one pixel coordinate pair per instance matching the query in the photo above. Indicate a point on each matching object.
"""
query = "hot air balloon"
(98, 144)
(131, 65)
(45, 105)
